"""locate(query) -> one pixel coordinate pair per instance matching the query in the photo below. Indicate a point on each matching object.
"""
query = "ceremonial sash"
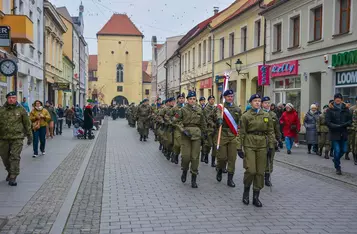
(233, 126)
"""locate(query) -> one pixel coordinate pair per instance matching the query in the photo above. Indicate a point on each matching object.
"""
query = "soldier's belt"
(190, 125)
(257, 133)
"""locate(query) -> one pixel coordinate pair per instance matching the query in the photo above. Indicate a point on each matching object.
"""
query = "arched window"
(120, 73)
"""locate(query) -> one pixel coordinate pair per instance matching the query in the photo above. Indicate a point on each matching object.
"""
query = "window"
(119, 88)
(345, 12)
(120, 73)
(277, 43)
(21, 7)
(147, 92)
(204, 51)
(209, 49)
(231, 44)
(221, 48)
(193, 58)
(30, 15)
(199, 55)
(244, 39)
(22, 48)
(38, 35)
(189, 60)
(257, 33)
(296, 31)
(182, 63)
(32, 52)
(6, 7)
(317, 23)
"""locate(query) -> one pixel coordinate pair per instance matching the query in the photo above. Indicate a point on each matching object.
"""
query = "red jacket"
(287, 120)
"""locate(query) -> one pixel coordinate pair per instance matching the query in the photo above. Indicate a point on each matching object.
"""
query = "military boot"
(347, 157)
(213, 161)
(224, 170)
(256, 200)
(156, 139)
(8, 177)
(320, 152)
(12, 181)
(173, 156)
(193, 181)
(145, 138)
(184, 176)
(230, 182)
(355, 158)
(326, 154)
(219, 175)
(206, 158)
(141, 137)
(176, 158)
(245, 199)
(267, 179)
(202, 157)
(168, 155)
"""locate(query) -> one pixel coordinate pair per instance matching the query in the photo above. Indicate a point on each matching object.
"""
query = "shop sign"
(343, 59)
(219, 79)
(263, 75)
(5, 39)
(285, 69)
(346, 78)
(206, 84)
(61, 86)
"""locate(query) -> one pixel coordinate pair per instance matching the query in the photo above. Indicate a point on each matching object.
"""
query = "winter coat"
(338, 119)
(310, 121)
(88, 118)
(35, 116)
(289, 119)
(69, 114)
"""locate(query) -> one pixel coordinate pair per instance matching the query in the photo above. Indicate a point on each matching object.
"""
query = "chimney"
(215, 10)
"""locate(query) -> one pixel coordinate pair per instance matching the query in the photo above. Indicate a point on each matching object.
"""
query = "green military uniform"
(169, 133)
(177, 134)
(131, 115)
(323, 131)
(162, 129)
(227, 153)
(354, 125)
(211, 143)
(190, 121)
(351, 137)
(255, 137)
(143, 116)
(14, 127)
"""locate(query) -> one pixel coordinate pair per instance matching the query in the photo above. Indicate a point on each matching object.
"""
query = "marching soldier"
(227, 154)
(255, 143)
(211, 142)
(177, 133)
(169, 128)
(277, 134)
(202, 102)
(190, 121)
(354, 124)
(14, 127)
(143, 118)
(322, 131)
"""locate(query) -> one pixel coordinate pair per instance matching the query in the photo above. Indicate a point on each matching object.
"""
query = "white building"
(30, 56)
(173, 75)
(75, 84)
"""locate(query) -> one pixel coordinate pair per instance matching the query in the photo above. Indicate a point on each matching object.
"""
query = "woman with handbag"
(291, 125)
(39, 118)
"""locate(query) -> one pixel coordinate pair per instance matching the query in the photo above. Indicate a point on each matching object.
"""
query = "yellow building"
(54, 30)
(239, 38)
(120, 51)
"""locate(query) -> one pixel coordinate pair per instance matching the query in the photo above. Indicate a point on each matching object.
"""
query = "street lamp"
(238, 65)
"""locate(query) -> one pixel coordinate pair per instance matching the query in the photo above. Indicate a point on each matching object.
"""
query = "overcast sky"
(162, 18)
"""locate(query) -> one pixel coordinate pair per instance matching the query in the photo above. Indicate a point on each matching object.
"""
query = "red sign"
(285, 69)
(206, 84)
(263, 75)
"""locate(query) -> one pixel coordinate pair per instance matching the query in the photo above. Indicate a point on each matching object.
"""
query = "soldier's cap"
(325, 106)
(202, 99)
(254, 96)
(153, 104)
(347, 101)
(228, 92)
(145, 100)
(191, 94)
(11, 94)
(265, 99)
(171, 99)
(180, 96)
(337, 95)
(210, 97)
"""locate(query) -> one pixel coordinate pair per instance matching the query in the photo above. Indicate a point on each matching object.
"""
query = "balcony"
(21, 28)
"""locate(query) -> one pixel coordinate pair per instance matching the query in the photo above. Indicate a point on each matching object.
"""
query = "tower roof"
(120, 24)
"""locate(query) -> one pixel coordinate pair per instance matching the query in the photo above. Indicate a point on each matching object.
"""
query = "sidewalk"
(317, 164)
(33, 173)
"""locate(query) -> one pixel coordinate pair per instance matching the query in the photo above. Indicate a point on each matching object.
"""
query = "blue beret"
(228, 92)
(254, 96)
(202, 98)
(145, 100)
(180, 96)
(347, 101)
(153, 104)
(10, 94)
(191, 94)
(211, 96)
(265, 99)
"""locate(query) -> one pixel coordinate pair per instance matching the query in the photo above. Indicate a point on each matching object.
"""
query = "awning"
(50, 80)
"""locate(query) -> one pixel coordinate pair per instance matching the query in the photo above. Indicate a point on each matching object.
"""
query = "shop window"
(277, 37)
(231, 44)
(244, 39)
(257, 33)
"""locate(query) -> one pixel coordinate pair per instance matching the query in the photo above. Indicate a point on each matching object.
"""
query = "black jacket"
(338, 120)
(88, 118)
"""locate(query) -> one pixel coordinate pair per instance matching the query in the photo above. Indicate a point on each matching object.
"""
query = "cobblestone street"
(117, 184)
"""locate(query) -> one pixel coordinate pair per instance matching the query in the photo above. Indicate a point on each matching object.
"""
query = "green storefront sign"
(343, 59)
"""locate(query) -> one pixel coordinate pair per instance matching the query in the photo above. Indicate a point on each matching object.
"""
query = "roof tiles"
(120, 24)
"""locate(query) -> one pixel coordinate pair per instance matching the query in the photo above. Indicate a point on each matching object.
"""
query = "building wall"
(110, 54)
(146, 86)
(173, 75)
(67, 75)
(68, 39)
(76, 63)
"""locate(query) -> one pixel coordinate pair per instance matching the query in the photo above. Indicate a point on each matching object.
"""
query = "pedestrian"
(69, 114)
(60, 117)
(143, 115)
(190, 121)
(291, 126)
(227, 153)
(14, 127)
(255, 145)
(39, 117)
(88, 122)
(310, 121)
(323, 131)
(338, 118)
(51, 122)
(269, 167)
(25, 105)
(279, 112)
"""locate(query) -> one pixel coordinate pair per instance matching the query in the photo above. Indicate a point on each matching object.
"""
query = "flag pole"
(225, 87)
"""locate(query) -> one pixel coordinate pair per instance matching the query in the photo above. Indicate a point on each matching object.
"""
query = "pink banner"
(206, 84)
(263, 75)
(285, 69)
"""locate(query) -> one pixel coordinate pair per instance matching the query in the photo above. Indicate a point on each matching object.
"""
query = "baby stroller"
(78, 131)
(79, 121)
